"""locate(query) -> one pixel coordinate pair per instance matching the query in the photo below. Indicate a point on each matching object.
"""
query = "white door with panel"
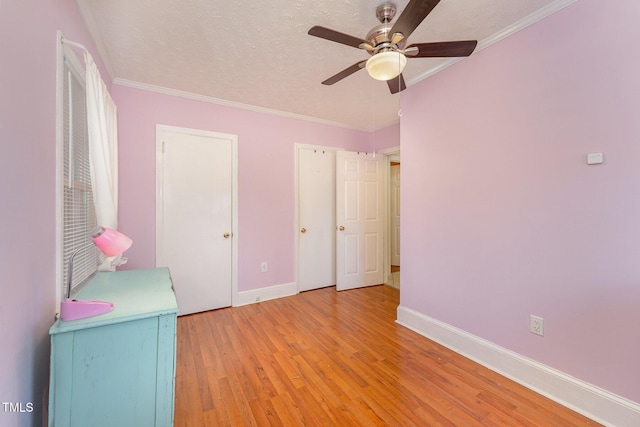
(360, 219)
(394, 212)
(195, 215)
(316, 217)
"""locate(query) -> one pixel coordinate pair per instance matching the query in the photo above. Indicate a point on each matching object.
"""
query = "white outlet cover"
(536, 325)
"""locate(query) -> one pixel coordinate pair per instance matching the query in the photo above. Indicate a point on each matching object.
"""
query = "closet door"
(195, 215)
(360, 219)
(316, 213)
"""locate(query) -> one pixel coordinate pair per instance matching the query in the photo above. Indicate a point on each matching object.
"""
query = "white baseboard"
(263, 294)
(598, 404)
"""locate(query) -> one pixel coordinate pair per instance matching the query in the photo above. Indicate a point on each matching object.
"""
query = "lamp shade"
(110, 242)
(386, 65)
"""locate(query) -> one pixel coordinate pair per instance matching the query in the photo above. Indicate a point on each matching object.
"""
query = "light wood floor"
(338, 358)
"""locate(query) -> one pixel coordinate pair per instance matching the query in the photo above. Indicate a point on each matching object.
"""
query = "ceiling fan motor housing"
(386, 12)
(379, 36)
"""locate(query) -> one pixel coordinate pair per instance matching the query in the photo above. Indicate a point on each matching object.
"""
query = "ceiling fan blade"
(441, 49)
(412, 16)
(336, 36)
(345, 73)
(397, 84)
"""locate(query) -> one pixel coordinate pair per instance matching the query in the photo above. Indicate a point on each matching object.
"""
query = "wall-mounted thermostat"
(595, 158)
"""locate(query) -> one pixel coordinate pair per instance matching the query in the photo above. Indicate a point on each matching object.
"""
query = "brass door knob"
(341, 228)
(226, 235)
(303, 230)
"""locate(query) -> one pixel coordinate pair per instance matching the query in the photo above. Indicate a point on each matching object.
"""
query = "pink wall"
(27, 186)
(502, 218)
(387, 137)
(266, 176)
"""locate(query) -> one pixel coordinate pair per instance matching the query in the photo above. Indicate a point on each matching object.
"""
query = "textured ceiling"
(258, 53)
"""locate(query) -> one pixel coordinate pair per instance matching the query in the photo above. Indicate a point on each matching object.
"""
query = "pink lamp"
(111, 243)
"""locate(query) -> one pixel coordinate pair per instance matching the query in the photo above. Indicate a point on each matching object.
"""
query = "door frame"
(297, 147)
(234, 194)
(393, 155)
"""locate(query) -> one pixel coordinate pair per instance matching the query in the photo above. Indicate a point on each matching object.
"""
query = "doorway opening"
(393, 227)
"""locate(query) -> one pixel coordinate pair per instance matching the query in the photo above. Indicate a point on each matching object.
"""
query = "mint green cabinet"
(117, 369)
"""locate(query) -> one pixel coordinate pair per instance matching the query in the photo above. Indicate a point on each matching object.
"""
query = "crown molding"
(234, 104)
(542, 13)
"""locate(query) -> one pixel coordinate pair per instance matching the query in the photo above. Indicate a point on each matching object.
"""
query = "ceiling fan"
(386, 44)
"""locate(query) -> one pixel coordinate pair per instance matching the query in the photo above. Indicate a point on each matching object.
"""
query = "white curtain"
(103, 153)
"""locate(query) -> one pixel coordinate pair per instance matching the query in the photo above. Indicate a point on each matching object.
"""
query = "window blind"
(79, 217)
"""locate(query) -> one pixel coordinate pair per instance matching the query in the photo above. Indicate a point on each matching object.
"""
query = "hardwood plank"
(338, 358)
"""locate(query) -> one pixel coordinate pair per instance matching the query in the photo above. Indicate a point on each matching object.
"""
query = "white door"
(394, 209)
(316, 218)
(360, 219)
(195, 212)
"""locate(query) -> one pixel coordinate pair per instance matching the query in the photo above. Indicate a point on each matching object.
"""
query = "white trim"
(317, 147)
(390, 151)
(234, 193)
(264, 294)
(536, 16)
(600, 405)
(59, 170)
(234, 104)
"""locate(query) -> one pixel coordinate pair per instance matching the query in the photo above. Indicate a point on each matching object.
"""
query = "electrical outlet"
(264, 267)
(536, 325)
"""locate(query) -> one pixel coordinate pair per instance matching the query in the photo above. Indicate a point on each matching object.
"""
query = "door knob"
(303, 230)
(341, 228)
(226, 235)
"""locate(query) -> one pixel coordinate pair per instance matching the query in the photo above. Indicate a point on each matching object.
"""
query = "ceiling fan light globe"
(386, 65)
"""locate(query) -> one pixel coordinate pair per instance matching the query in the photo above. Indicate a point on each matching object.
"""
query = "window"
(77, 207)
